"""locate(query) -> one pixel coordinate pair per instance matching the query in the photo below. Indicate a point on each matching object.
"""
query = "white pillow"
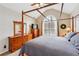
(75, 40)
(70, 35)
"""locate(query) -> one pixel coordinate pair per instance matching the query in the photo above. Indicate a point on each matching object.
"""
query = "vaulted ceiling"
(18, 7)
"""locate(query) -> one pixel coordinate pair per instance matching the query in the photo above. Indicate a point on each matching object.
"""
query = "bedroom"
(62, 16)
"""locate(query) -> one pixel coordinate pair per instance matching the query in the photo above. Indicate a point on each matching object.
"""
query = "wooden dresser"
(15, 42)
(35, 33)
(30, 36)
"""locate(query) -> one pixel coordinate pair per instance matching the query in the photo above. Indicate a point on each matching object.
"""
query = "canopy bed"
(24, 13)
(49, 45)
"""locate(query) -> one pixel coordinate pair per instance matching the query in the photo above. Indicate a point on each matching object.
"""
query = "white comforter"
(49, 46)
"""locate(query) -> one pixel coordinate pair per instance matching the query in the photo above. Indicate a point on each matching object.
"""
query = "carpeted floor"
(16, 53)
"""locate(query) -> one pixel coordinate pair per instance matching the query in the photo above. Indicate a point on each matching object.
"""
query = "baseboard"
(5, 53)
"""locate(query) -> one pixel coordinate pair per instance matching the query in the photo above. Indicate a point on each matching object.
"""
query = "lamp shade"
(68, 29)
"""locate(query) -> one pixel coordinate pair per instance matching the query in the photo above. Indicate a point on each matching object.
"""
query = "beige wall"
(56, 14)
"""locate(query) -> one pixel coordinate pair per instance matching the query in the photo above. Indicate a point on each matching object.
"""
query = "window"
(76, 24)
(50, 25)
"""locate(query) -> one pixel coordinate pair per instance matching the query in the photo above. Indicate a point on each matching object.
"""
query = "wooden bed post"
(14, 28)
(22, 27)
(72, 24)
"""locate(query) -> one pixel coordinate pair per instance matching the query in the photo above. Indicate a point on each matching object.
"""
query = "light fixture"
(68, 29)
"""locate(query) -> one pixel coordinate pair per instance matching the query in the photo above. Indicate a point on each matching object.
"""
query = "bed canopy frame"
(37, 9)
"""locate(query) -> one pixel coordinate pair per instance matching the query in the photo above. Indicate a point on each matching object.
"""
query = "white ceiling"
(67, 8)
(18, 7)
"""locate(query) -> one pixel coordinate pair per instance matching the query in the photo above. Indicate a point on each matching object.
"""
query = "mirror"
(18, 28)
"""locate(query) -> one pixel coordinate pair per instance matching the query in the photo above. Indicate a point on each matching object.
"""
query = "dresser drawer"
(30, 36)
(16, 43)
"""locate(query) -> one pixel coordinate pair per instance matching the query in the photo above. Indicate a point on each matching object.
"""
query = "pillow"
(70, 35)
(75, 40)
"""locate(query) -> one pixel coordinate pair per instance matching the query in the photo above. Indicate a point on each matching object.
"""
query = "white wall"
(6, 26)
(7, 16)
(77, 24)
(28, 22)
(76, 20)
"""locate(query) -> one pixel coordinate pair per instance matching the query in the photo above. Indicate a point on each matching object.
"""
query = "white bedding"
(49, 45)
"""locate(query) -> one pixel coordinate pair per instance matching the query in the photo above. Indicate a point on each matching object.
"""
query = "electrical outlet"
(4, 46)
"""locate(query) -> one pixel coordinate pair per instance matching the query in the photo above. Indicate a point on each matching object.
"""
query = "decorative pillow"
(70, 35)
(75, 40)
